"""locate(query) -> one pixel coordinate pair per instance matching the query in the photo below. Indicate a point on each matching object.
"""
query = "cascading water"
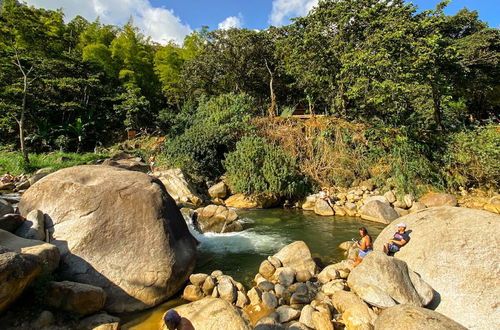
(239, 254)
(247, 240)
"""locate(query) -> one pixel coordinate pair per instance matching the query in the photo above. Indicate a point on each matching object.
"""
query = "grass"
(13, 163)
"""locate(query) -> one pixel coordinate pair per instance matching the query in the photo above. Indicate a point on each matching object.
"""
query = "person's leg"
(358, 261)
(393, 248)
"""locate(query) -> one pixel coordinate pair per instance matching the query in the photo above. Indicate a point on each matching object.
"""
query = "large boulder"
(415, 318)
(213, 313)
(433, 199)
(456, 251)
(116, 229)
(241, 201)
(384, 281)
(217, 219)
(178, 186)
(378, 211)
(17, 271)
(297, 256)
(48, 254)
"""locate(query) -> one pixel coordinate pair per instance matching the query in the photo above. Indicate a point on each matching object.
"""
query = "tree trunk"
(272, 108)
(436, 98)
(24, 152)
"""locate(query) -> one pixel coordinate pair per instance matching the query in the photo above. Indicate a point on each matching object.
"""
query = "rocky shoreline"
(417, 288)
(104, 239)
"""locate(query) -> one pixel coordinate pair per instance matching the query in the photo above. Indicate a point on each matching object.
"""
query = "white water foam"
(237, 242)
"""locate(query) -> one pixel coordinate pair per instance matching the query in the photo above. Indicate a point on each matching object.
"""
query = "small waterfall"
(247, 240)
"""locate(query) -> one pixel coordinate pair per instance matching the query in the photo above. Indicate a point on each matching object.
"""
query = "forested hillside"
(409, 96)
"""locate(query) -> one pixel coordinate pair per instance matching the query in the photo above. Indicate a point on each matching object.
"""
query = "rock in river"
(116, 229)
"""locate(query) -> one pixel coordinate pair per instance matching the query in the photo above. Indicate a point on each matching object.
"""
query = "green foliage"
(13, 163)
(411, 168)
(132, 105)
(473, 158)
(287, 111)
(419, 77)
(209, 133)
(256, 166)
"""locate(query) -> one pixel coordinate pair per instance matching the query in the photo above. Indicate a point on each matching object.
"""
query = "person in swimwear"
(364, 244)
(152, 161)
(399, 239)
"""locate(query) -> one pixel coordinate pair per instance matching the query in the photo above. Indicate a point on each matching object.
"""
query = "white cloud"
(231, 22)
(284, 9)
(159, 23)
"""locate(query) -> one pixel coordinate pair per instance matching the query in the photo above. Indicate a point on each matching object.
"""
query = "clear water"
(266, 232)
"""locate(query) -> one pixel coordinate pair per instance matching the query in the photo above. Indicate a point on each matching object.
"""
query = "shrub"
(411, 167)
(210, 133)
(473, 157)
(256, 166)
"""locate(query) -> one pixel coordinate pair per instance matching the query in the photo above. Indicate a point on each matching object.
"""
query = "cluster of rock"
(479, 200)
(300, 297)
(216, 285)
(115, 238)
(290, 292)
(344, 202)
(220, 194)
(367, 202)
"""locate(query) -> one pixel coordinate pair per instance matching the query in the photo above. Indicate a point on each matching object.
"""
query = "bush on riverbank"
(473, 157)
(333, 152)
(257, 166)
(207, 132)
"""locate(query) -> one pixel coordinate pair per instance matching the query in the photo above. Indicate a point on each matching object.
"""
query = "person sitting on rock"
(325, 195)
(364, 244)
(174, 321)
(399, 239)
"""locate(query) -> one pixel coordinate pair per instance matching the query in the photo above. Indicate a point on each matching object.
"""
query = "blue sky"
(166, 20)
(256, 13)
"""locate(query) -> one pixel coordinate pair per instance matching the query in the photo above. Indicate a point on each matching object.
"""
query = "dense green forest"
(412, 96)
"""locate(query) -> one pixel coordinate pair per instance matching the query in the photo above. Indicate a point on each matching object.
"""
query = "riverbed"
(266, 232)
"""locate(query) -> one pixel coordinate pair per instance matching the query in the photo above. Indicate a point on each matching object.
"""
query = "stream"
(266, 232)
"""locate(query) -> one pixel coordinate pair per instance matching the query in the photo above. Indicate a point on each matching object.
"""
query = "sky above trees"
(166, 20)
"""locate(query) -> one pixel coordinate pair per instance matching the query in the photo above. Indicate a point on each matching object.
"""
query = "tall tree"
(28, 38)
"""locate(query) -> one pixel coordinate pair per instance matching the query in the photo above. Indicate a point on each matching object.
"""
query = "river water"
(266, 232)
